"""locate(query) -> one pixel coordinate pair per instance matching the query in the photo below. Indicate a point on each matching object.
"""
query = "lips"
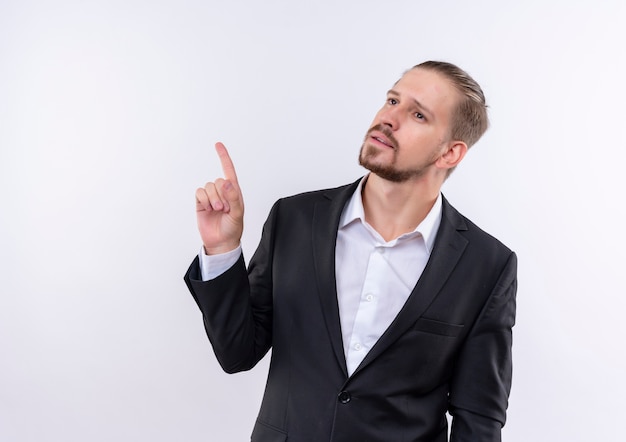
(382, 139)
(381, 135)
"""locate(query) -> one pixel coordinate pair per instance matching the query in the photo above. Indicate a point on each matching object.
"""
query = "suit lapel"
(447, 251)
(326, 217)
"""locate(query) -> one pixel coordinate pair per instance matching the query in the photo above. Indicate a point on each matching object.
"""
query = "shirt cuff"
(212, 266)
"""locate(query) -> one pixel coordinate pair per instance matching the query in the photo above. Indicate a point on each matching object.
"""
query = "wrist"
(221, 249)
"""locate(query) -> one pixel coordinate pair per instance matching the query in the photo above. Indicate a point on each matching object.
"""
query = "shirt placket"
(365, 324)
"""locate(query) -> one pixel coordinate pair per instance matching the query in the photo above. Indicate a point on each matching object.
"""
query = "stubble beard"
(388, 171)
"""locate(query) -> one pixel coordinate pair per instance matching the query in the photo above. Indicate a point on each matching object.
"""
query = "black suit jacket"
(449, 348)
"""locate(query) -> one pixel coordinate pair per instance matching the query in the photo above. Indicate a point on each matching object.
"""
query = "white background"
(108, 115)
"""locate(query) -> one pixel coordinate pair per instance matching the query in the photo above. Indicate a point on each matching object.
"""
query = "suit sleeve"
(481, 382)
(237, 306)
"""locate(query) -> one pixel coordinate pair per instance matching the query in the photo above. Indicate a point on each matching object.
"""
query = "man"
(383, 306)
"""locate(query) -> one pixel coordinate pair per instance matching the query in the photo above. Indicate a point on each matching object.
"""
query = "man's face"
(409, 132)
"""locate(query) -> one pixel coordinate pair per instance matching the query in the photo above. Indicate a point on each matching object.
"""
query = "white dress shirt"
(374, 277)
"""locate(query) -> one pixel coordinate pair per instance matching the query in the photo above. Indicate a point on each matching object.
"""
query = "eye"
(392, 101)
(419, 116)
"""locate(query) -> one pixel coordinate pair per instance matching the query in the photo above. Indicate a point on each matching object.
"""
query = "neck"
(393, 209)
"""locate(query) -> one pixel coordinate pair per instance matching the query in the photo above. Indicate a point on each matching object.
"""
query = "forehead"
(430, 88)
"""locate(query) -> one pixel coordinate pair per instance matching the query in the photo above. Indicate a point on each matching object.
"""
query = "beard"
(389, 171)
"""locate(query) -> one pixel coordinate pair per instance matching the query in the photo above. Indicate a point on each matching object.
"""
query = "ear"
(452, 154)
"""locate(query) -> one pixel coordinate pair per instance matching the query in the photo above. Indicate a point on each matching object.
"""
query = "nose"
(389, 117)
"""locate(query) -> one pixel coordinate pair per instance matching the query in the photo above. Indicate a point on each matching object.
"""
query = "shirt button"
(369, 298)
(344, 397)
(357, 346)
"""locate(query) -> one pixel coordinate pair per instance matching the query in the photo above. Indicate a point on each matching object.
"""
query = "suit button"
(344, 397)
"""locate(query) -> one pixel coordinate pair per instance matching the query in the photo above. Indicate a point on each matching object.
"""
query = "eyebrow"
(417, 103)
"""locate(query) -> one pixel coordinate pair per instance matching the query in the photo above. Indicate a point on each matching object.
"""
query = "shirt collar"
(427, 228)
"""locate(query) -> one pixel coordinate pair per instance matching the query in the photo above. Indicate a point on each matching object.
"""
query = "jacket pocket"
(266, 433)
(438, 327)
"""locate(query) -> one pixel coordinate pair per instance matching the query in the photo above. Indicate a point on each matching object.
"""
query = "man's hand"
(219, 208)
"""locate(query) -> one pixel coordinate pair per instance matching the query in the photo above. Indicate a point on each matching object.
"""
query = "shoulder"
(307, 198)
(473, 233)
(296, 213)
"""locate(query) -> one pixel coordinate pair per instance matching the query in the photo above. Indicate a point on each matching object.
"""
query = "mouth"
(380, 139)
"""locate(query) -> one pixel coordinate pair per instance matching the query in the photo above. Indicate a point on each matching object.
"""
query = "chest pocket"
(438, 327)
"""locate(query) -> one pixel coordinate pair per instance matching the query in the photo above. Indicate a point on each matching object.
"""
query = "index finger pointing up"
(227, 164)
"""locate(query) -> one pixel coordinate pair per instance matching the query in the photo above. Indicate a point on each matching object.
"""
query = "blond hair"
(469, 119)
